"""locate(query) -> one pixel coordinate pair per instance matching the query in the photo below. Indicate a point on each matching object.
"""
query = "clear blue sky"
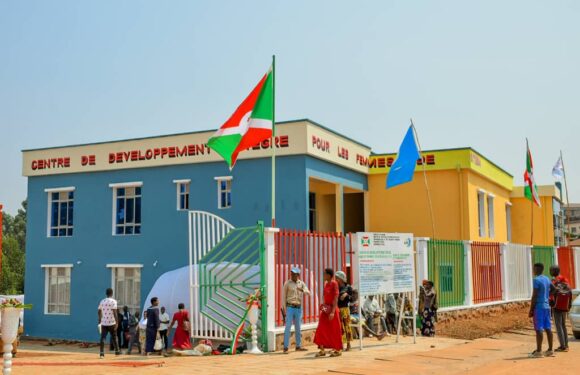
(484, 75)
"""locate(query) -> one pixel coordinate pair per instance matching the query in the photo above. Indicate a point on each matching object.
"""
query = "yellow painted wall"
(326, 212)
(522, 221)
(454, 198)
(405, 208)
(474, 182)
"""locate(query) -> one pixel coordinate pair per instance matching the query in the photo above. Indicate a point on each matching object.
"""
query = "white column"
(468, 274)
(339, 208)
(269, 238)
(504, 274)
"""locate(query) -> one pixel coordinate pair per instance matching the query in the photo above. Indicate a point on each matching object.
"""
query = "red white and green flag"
(530, 189)
(249, 125)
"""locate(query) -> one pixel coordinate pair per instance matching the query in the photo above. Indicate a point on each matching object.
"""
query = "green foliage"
(13, 249)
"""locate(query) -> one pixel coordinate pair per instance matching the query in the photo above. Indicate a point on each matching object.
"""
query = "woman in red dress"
(181, 337)
(328, 334)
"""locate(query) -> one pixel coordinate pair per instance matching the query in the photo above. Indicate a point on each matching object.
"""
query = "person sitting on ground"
(354, 319)
(540, 311)
(372, 311)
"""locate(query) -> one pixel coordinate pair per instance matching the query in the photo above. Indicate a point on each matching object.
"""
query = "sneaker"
(561, 349)
(101, 356)
(285, 351)
(549, 353)
(535, 354)
(301, 349)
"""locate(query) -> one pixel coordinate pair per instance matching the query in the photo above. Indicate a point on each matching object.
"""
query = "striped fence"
(518, 274)
(446, 260)
(486, 271)
(312, 252)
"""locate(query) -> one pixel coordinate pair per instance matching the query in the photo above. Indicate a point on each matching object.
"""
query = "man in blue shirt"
(540, 311)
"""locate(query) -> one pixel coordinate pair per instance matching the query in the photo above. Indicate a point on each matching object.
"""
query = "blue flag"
(403, 168)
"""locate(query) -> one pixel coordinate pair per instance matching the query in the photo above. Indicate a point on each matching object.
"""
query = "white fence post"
(421, 245)
(576, 253)
(468, 274)
(504, 274)
(270, 235)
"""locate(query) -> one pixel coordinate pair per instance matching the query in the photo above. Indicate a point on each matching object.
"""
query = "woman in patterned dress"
(429, 313)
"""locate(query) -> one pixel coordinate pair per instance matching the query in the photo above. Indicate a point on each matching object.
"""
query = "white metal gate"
(206, 230)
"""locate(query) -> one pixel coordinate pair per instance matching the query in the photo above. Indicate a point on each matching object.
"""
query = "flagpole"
(273, 141)
(425, 177)
(532, 227)
(567, 211)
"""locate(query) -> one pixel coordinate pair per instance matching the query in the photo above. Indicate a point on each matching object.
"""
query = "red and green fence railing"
(446, 261)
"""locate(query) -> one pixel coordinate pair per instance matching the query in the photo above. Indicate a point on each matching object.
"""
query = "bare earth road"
(502, 354)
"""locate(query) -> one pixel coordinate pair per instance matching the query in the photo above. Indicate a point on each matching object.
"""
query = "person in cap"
(344, 299)
(292, 296)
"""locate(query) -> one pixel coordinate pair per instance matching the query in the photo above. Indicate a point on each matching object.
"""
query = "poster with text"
(386, 263)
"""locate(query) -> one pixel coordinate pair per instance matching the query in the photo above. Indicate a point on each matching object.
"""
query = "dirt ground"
(485, 325)
(504, 353)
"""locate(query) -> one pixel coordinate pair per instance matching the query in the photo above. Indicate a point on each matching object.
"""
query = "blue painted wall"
(164, 229)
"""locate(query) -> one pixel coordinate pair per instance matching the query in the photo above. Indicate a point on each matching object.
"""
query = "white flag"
(558, 170)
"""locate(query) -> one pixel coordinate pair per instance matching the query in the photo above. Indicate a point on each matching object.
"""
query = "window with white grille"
(57, 290)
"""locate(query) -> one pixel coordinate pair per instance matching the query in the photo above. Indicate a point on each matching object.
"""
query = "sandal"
(321, 353)
(336, 353)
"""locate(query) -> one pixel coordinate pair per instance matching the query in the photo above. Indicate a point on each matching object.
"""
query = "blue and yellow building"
(114, 214)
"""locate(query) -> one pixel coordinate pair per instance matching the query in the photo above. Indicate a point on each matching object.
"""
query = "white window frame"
(116, 186)
(491, 215)
(49, 192)
(114, 268)
(228, 180)
(508, 221)
(481, 211)
(47, 268)
(178, 184)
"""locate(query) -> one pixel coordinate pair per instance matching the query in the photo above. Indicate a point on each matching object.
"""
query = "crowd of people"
(148, 335)
(339, 316)
(339, 313)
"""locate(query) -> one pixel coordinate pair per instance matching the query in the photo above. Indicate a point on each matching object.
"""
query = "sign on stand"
(385, 264)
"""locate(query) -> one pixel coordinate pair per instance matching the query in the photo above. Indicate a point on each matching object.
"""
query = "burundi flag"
(249, 125)
(530, 189)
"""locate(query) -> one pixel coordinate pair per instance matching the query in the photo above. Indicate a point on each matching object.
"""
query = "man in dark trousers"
(153, 324)
(108, 322)
(561, 301)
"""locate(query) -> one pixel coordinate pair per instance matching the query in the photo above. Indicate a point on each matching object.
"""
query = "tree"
(13, 249)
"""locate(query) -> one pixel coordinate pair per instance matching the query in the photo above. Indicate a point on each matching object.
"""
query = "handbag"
(185, 325)
(158, 343)
(325, 308)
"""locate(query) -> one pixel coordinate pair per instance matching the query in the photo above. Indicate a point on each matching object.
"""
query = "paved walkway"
(505, 354)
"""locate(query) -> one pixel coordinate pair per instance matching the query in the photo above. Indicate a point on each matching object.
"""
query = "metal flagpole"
(273, 141)
(567, 211)
(532, 228)
(425, 177)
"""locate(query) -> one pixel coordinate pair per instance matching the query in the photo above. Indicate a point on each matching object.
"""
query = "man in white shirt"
(372, 310)
(163, 326)
(108, 322)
